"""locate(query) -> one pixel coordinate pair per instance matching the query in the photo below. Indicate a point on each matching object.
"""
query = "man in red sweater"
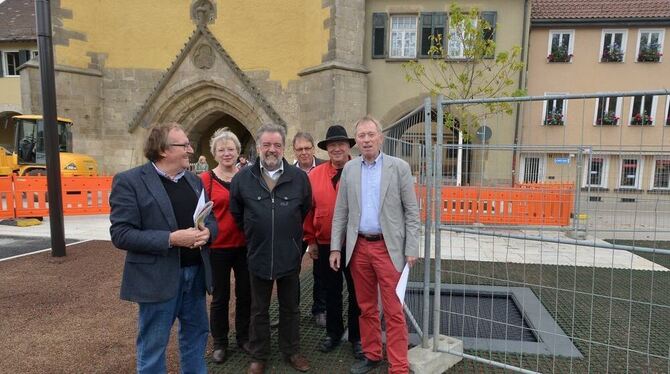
(325, 182)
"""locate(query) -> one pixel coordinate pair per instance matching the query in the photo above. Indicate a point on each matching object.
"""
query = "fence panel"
(551, 254)
(81, 195)
(6, 198)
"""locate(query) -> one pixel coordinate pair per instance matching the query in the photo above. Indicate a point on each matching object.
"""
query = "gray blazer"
(398, 216)
(142, 220)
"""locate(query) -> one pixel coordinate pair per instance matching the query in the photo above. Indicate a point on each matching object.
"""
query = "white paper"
(402, 284)
(202, 210)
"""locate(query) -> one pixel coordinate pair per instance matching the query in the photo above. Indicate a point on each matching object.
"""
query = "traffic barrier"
(532, 205)
(6, 198)
(81, 195)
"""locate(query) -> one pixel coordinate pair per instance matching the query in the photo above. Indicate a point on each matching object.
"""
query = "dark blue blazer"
(142, 220)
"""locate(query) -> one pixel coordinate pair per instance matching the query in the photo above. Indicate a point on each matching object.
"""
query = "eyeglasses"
(185, 145)
(303, 149)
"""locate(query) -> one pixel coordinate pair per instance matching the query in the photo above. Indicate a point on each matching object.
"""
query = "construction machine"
(22, 148)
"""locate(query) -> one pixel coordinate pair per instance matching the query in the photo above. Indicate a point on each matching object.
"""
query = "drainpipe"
(522, 81)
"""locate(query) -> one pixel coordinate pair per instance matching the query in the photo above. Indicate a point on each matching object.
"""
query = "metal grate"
(473, 315)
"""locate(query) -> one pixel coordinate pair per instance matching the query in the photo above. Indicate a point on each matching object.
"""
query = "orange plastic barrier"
(537, 204)
(6, 198)
(81, 195)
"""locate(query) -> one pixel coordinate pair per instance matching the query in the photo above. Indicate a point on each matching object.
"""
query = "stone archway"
(204, 107)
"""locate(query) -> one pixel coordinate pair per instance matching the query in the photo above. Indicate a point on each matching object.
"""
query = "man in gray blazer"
(376, 210)
(167, 269)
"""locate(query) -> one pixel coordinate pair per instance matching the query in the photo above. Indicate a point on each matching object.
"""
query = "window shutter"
(24, 56)
(2, 65)
(490, 32)
(379, 21)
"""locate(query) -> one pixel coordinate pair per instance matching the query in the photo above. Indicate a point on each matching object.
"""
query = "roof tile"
(599, 9)
(17, 20)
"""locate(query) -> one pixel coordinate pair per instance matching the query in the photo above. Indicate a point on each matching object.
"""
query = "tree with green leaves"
(464, 65)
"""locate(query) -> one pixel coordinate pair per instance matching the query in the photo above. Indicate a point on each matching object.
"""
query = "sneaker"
(363, 366)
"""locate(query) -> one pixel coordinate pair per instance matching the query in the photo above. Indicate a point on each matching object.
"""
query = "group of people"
(357, 218)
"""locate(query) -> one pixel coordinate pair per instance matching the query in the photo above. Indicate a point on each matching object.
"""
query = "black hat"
(336, 133)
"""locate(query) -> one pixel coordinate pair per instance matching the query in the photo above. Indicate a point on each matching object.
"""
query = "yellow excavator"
(22, 148)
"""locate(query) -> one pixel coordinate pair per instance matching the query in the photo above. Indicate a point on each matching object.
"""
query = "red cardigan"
(319, 220)
(230, 235)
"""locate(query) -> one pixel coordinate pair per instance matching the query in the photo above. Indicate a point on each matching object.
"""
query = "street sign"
(562, 160)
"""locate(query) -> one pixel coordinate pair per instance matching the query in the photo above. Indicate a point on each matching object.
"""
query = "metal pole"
(43, 14)
(437, 178)
(578, 196)
(428, 149)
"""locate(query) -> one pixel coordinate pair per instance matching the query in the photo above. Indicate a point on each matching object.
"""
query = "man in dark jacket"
(269, 201)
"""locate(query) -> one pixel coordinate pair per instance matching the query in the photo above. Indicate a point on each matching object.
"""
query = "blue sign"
(562, 160)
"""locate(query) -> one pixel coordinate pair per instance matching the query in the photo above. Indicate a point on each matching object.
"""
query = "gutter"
(522, 81)
(624, 21)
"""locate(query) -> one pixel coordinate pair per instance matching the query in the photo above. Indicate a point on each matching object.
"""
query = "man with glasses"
(167, 268)
(303, 148)
(269, 201)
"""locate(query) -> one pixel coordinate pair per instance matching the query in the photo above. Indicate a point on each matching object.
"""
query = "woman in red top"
(228, 251)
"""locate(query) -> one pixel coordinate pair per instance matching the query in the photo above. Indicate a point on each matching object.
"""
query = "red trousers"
(370, 267)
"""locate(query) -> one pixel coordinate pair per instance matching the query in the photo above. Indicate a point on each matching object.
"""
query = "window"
(379, 35)
(403, 36)
(642, 110)
(613, 45)
(667, 110)
(630, 172)
(661, 176)
(532, 168)
(432, 24)
(560, 46)
(554, 111)
(457, 35)
(608, 111)
(650, 45)
(10, 63)
(596, 174)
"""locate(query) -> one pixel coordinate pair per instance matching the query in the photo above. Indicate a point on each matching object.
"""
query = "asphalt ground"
(11, 246)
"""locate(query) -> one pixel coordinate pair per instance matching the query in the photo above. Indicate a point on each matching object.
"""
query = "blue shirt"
(164, 174)
(371, 180)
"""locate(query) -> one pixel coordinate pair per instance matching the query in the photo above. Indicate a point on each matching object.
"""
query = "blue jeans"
(156, 320)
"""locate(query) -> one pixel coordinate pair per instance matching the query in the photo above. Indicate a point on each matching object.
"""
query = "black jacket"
(271, 221)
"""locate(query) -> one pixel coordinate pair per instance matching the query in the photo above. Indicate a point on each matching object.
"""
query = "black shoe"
(357, 348)
(328, 344)
(363, 366)
(245, 347)
(219, 356)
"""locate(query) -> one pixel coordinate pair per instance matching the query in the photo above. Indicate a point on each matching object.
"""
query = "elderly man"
(377, 213)
(269, 201)
(325, 182)
(167, 267)
(303, 148)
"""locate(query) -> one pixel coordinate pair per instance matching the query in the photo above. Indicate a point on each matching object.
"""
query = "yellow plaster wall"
(282, 37)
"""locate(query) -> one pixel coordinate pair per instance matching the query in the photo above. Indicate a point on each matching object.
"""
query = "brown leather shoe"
(256, 367)
(298, 362)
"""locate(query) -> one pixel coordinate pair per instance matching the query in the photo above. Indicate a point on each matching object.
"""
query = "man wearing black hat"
(325, 182)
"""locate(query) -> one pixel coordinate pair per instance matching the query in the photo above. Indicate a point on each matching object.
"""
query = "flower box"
(612, 54)
(641, 120)
(649, 55)
(608, 119)
(554, 119)
(559, 54)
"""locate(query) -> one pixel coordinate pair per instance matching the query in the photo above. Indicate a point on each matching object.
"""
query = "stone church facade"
(211, 81)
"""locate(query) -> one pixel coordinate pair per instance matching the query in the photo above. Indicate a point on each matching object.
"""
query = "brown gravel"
(64, 315)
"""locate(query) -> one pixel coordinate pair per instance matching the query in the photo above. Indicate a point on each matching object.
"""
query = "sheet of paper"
(202, 210)
(402, 284)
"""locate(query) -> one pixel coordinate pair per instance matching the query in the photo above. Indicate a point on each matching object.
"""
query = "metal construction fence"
(546, 234)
